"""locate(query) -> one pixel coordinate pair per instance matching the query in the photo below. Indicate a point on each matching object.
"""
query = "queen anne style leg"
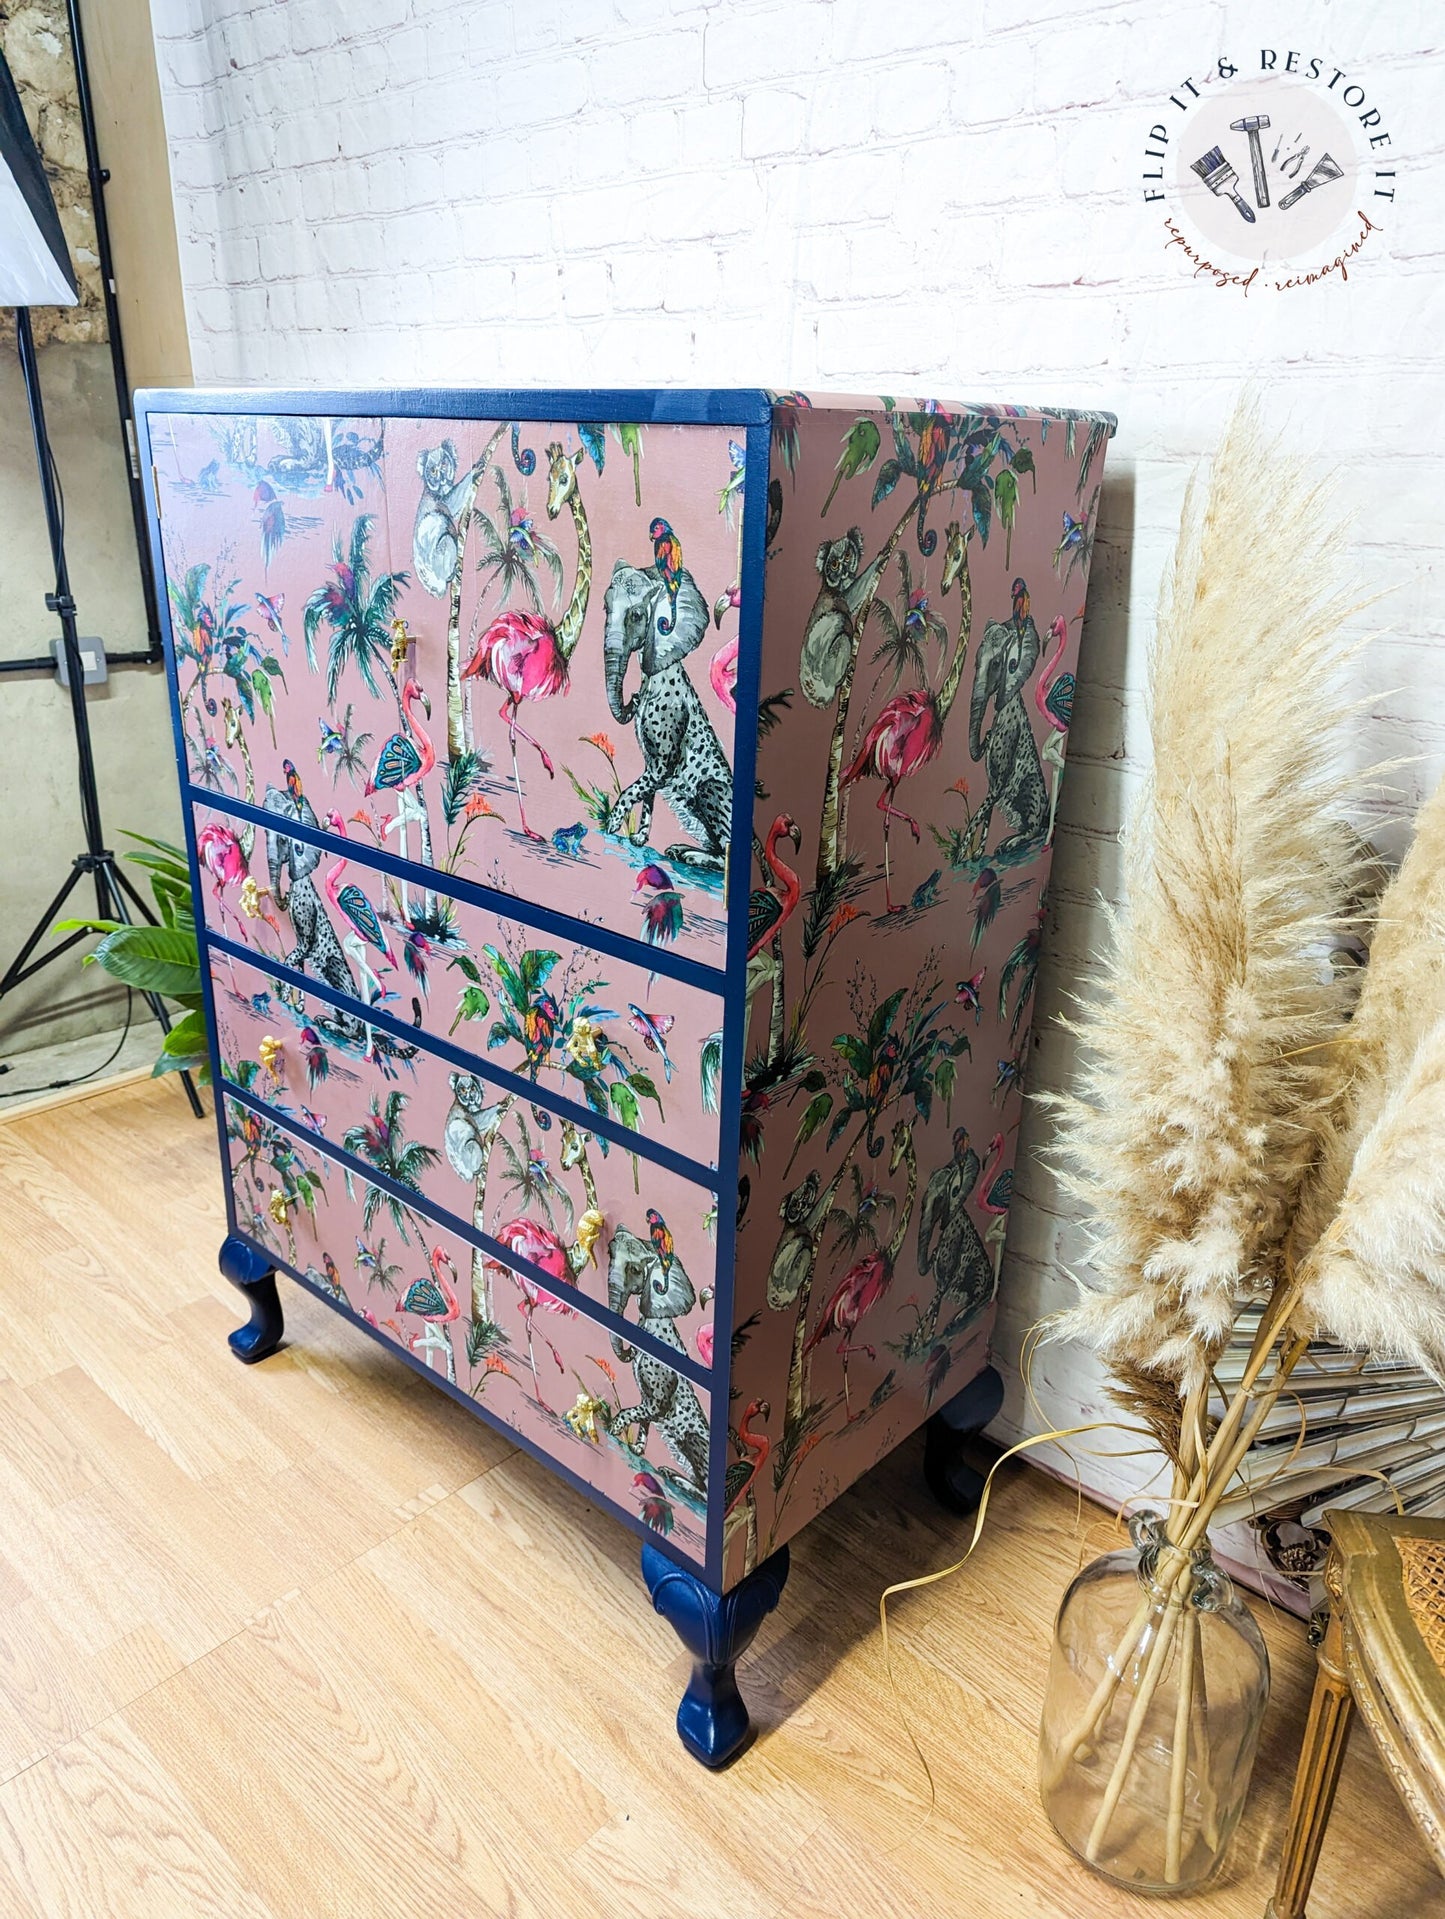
(717, 1629)
(955, 1484)
(1323, 1753)
(248, 1271)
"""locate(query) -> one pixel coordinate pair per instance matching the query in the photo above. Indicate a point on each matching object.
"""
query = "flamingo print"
(997, 1196)
(530, 1241)
(353, 908)
(769, 910)
(906, 735)
(524, 653)
(351, 903)
(756, 1447)
(1054, 697)
(739, 1503)
(434, 1299)
(407, 757)
(219, 851)
(723, 671)
(869, 1278)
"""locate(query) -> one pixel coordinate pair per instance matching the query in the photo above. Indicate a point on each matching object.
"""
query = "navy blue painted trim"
(633, 1335)
(682, 406)
(746, 693)
(469, 1062)
(435, 879)
(158, 572)
(480, 1410)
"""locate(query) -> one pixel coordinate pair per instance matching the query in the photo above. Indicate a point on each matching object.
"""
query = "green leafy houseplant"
(160, 959)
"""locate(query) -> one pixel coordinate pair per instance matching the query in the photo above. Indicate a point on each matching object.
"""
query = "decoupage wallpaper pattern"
(510, 649)
(615, 1416)
(926, 577)
(508, 653)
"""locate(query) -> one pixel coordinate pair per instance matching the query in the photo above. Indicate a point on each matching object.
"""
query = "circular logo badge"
(1275, 177)
(1267, 172)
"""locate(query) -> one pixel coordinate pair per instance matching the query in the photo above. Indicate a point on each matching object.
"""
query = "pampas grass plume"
(1376, 1281)
(1209, 1078)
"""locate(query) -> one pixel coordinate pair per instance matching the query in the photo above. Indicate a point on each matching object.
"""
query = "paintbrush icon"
(1221, 179)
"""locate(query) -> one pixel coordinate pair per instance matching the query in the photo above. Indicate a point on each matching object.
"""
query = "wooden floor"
(307, 1640)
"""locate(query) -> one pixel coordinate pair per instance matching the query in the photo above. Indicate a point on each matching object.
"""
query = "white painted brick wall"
(851, 194)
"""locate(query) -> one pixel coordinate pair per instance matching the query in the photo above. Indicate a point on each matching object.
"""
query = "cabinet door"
(573, 1209)
(625, 1426)
(510, 648)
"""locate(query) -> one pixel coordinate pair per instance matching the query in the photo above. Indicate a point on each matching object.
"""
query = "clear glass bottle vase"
(1157, 1688)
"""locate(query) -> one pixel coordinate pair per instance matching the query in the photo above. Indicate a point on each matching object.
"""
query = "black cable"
(58, 1085)
(59, 489)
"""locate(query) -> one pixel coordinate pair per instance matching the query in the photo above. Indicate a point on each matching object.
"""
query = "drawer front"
(564, 598)
(526, 1178)
(584, 1025)
(533, 1361)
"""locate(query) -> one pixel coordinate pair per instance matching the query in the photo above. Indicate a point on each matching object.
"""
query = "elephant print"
(683, 758)
(1007, 656)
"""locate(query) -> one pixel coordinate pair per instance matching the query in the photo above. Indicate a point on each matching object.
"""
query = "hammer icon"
(1251, 126)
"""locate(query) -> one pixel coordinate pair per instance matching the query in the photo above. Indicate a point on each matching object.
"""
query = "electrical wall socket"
(92, 660)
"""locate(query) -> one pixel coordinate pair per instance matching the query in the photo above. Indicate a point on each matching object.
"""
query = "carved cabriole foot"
(248, 1271)
(955, 1484)
(1321, 1757)
(717, 1629)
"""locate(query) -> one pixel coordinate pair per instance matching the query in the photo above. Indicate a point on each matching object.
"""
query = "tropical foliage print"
(507, 654)
(440, 622)
(549, 1372)
(894, 947)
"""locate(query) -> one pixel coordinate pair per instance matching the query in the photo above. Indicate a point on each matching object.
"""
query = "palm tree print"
(512, 546)
(907, 629)
(357, 609)
(381, 1140)
(348, 751)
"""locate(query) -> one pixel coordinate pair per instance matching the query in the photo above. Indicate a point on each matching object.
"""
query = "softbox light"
(35, 269)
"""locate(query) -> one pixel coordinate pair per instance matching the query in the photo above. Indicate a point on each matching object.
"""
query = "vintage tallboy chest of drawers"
(621, 823)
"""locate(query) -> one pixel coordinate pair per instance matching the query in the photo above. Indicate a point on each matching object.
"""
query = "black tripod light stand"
(114, 893)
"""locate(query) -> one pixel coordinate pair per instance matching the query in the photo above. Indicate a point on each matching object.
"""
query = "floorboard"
(306, 1640)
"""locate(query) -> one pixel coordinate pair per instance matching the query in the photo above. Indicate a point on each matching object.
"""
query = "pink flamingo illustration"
(1054, 697)
(351, 903)
(723, 672)
(869, 1278)
(407, 757)
(403, 763)
(434, 1299)
(906, 735)
(995, 1198)
(524, 653)
(520, 653)
(768, 910)
(756, 1446)
(531, 1241)
(220, 852)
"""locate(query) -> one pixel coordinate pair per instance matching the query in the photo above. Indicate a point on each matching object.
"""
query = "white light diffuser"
(35, 269)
